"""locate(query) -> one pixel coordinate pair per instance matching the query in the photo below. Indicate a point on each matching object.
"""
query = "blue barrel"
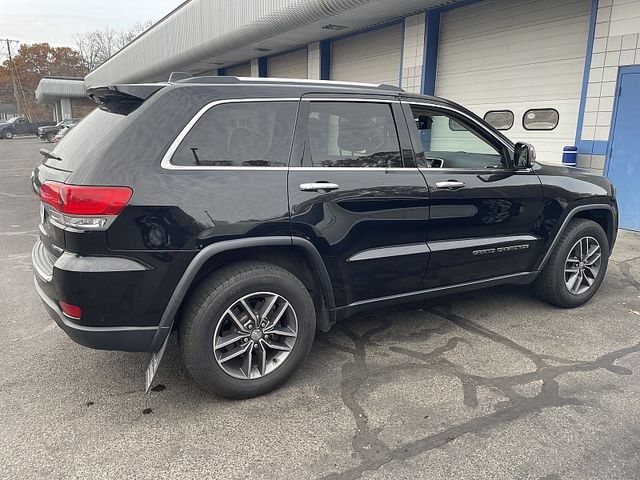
(569, 156)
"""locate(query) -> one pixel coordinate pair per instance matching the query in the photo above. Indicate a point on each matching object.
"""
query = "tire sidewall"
(586, 230)
(50, 136)
(206, 369)
(8, 134)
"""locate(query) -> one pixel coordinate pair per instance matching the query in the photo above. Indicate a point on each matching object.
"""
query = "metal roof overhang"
(51, 89)
(203, 35)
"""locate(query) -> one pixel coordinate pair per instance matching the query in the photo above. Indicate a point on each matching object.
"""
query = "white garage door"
(290, 65)
(243, 70)
(522, 57)
(370, 57)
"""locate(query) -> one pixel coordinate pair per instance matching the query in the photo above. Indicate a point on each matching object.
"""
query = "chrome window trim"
(166, 159)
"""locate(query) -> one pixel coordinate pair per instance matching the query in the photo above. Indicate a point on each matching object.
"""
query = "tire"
(50, 136)
(554, 283)
(8, 134)
(206, 317)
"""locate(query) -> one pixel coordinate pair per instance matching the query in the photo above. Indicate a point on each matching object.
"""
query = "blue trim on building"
(621, 71)
(325, 60)
(587, 68)
(404, 24)
(263, 66)
(592, 147)
(430, 60)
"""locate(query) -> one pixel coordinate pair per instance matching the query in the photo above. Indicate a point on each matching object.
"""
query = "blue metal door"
(623, 167)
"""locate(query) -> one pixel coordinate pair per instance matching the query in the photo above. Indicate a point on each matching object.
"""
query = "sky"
(55, 21)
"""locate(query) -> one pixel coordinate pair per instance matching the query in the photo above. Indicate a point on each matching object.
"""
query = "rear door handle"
(315, 186)
(450, 185)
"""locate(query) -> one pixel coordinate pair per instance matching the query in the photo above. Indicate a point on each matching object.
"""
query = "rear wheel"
(246, 329)
(576, 267)
(50, 136)
(8, 134)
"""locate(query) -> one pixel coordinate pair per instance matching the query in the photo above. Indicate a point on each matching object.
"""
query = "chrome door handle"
(315, 186)
(450, 185)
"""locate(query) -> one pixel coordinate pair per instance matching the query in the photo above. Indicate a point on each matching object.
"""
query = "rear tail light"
(71, 311)
(84, 207)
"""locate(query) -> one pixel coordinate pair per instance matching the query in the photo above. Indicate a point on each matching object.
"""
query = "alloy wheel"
(255, 335)
(582, 265)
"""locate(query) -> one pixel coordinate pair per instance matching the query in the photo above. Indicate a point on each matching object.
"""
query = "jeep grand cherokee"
(247, 213)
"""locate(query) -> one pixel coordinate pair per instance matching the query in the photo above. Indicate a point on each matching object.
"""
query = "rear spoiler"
(123, 99)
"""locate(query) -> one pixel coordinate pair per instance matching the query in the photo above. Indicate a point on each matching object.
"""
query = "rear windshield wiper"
(47, 154)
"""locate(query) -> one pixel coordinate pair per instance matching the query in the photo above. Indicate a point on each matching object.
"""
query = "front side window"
(444, 141)
(243, 134)
(358, 134)
(540, 119)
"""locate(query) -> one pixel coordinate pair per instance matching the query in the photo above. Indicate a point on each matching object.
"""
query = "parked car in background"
(19, 126)
(272, 208)
(60, 135)
(47, 132)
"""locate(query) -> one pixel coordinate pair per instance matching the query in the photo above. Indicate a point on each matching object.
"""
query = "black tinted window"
(240, 134)
(75, 147)
(344, 134)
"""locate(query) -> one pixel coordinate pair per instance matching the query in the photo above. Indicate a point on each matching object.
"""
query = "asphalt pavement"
(489, 384)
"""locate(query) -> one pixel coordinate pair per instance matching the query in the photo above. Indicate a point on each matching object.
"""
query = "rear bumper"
(130, 339)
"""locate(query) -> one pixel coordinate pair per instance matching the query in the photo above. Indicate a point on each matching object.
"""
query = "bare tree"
(97, 46)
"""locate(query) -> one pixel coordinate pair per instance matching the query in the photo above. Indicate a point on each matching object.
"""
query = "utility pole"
(13, 73)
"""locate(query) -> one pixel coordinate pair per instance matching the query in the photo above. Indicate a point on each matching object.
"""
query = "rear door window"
(353, 134)
(242, 134)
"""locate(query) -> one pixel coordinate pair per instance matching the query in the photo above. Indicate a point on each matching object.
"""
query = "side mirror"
(523, 155)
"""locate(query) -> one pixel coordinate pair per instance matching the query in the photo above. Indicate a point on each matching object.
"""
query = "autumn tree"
(97, 46)
(31, 63)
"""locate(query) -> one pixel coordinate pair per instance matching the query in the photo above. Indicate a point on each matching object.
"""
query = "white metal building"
(59, 92)
(544, 71)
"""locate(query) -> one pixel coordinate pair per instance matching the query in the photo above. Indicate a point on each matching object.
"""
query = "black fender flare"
(565, 222)
(180, 292)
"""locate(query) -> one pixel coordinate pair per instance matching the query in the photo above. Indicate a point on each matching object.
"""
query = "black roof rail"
(222, 80)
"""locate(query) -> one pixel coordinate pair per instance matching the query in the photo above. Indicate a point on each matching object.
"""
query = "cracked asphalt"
(489, 384)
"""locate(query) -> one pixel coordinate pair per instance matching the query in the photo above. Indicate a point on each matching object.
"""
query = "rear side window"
(540, 119)
(358, 134)
(74, 148)
(243, 134)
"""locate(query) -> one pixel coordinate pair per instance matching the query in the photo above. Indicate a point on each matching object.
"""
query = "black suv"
(247, 213)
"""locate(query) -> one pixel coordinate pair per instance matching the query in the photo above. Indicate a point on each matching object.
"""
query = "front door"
(483, 212)
(352, 197)
(623, 167)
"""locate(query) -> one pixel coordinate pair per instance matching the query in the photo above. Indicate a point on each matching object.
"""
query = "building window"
(240, 134)
(359, 134)
(500, 119)
(540, 119)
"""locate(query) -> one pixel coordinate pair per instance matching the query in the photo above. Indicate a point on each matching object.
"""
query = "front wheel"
(246, 329)
(576, 267)
(8, 134)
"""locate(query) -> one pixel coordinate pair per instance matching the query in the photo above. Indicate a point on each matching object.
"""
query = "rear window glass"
(76, 144)
(245, 134)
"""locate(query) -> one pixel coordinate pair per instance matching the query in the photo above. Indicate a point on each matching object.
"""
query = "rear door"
(352, 195)
(483, 213)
